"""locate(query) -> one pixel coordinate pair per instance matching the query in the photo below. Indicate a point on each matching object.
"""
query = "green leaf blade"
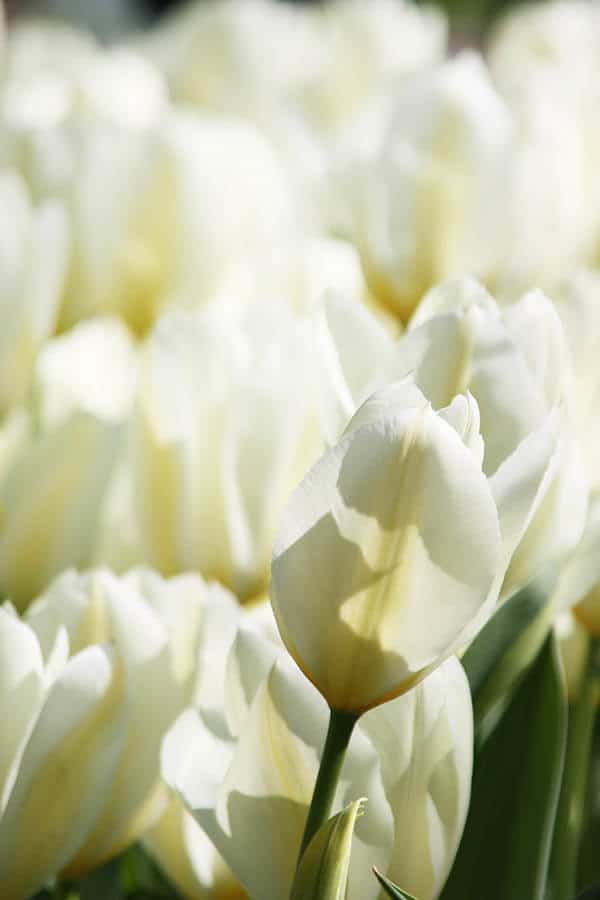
(391, 889)
(506, 844)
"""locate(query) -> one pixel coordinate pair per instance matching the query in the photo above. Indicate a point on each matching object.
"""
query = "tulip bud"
(393, 528)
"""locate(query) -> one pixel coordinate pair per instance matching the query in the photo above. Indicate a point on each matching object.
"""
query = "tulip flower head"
(388, 550)
(410, 758)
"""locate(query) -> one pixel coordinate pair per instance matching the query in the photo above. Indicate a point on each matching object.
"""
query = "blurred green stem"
(341, 726)
(569, 818)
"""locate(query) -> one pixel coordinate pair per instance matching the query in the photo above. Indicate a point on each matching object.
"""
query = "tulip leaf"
(391, 889)
(589, 858)
(502, 651)
(140, 876)
(592, 893)
(517, 775)
(571, 806)
(323, 870)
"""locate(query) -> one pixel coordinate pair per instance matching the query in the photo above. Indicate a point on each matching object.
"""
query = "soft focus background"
(109, 17)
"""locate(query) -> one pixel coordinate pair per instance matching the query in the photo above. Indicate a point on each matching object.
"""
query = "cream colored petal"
(51, 502)
(33, 257)
(70, 602)
(467, 346)
(187, 856)
(181, 603)
(581, 573)
(21, 692)
(248, 663)
(558, 516)
(425, 740)
(104, 392)
(463, 415)
(66, 768)
(395, 526)
(520, 480)
(354, 351)
(399, 395)
(534, 324)
(134, 799)
(189, 739)
(222, 618)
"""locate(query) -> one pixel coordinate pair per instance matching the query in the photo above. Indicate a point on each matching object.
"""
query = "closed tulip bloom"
(388, 550)
(53, 484)
(33, 260)
(224, 430)
(412, 760)
(420, 209)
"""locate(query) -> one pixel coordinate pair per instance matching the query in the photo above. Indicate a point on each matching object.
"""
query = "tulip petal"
(21, 691)
(67, 765)
(425, 743)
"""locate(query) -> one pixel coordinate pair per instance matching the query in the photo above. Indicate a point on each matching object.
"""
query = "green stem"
(569, 817)
(341, 726)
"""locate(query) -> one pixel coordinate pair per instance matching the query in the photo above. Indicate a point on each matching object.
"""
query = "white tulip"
(79, 762)
(67, 104)
(517, 366)
(58, 754)
(421, 208)
(388, 550)
(239, 56)
(369, 48)
(190, 220)
(412, 760)
(177, 841)
(543, 58)
(33, 260)
(224, 430)
(55, 476)
(161, 207)
(556, 36)
(155, 628)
